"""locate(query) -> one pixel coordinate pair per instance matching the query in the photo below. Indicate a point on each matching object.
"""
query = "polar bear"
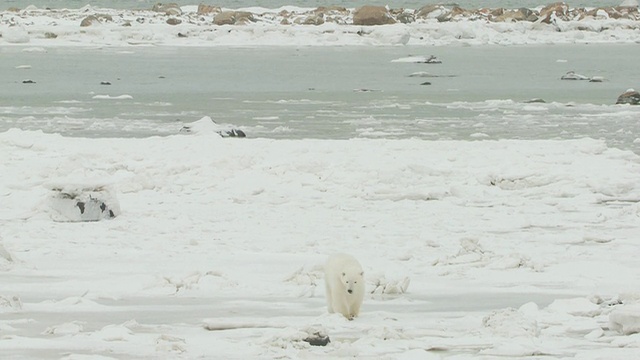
(343, 277)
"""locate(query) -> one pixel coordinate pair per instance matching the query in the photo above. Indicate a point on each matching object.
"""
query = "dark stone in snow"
(318, 340)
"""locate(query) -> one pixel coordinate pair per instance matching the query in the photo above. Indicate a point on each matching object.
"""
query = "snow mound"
(576, 307)
(69, 328)
(76, 204)
(511, 323)
(206, 125)
(626, 319)
(386, 286)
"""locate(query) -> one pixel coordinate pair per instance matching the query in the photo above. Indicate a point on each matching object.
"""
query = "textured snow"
(472, 249)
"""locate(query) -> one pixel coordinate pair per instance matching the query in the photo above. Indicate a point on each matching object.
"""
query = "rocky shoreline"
(24, 25)
(369, 15)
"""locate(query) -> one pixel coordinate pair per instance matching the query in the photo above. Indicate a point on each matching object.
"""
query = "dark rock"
(232, 133)
(105, 83)
(571, 75)
(316, 336)
(537, 100)
(174, 21)
(28, 82)
(630, 97)
(318, 340)
(50, 35)
(430, 60)
(426, 83)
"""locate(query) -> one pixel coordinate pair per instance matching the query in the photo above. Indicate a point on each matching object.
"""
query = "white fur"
(343, 273)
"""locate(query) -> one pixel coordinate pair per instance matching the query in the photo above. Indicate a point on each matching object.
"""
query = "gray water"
(271, 4)
(476, 93)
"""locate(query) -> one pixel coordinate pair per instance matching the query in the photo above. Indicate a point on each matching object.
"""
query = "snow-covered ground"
(471, 249)
(333, 26)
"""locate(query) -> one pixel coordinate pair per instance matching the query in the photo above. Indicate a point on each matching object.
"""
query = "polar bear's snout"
(350, 291)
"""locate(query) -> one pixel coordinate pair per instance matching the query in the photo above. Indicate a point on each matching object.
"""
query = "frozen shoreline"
(333, 26)
(547, 228)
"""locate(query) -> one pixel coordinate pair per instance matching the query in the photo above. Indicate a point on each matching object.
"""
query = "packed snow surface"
(496, 249)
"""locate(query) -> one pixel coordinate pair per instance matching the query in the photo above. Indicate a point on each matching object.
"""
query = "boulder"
(315, 19)
(208, 9)
(431, 12)
(233, 18)
(369, 15)
(331, 10)
(522, 14)
(406, 17)
(571, 75)
(625, 319)
(174, 21)
(630, 96)
(554, 11)
(171, 9)
(95, 20)
(79, 203)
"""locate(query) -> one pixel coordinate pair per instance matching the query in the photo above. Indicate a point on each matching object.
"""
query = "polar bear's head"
(352, 278)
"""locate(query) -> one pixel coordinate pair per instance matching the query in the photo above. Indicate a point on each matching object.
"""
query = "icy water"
(411, 4)
(328, 93)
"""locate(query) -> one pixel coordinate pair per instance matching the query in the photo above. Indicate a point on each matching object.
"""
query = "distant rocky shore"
(171, 24)
(369, 15)
(379, 15)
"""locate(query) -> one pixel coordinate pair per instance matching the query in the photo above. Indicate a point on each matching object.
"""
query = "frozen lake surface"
(326, 93)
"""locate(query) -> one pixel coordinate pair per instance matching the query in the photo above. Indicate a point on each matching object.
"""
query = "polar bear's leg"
(329, 297)
(342, 306)
(355, 309)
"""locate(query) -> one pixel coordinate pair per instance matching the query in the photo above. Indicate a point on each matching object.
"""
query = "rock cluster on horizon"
(369, 15)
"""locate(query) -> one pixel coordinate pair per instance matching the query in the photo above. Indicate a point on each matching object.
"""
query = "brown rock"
(208, 9)
(315, 19)
(331, 10)
(95, 19)
(369, 15)
(424, 11)
(174, 21)
(233, 18)
(630, 96)
(225, 18)
(521, 14)
(171, 9)
(559, 10)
